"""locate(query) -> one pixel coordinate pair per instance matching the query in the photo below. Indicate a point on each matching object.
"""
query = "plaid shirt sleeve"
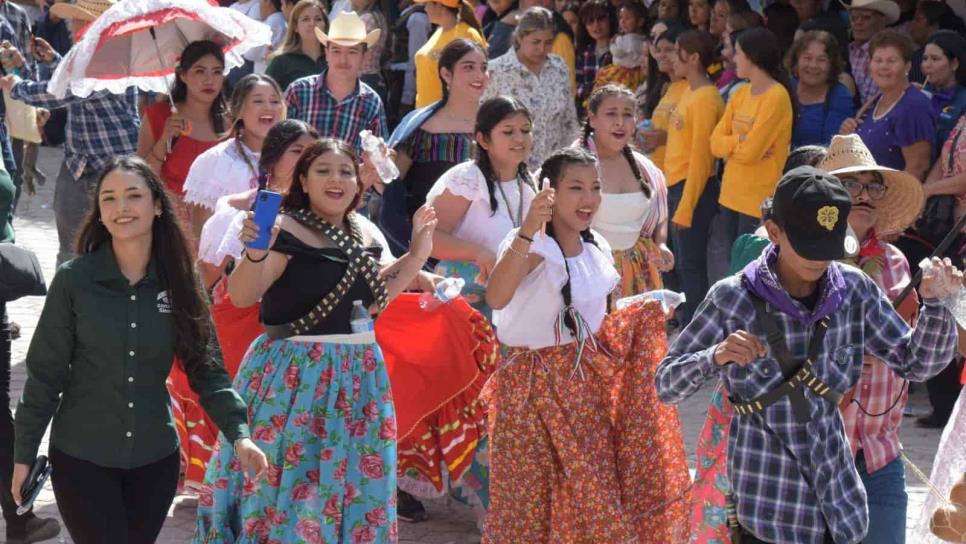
(35, 93)
(378, 125)
(293, 101)
(690, 359)
(918, 354)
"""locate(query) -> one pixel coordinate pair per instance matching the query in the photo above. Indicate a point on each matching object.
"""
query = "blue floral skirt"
(321, 410)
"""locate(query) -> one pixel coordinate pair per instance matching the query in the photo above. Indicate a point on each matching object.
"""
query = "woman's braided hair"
(490, 114)
(596, 99)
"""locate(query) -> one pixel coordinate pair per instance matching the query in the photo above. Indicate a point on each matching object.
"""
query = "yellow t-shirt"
(753, 166)
(429, 88)
(688, 154)
(662, 114)
(563, 47)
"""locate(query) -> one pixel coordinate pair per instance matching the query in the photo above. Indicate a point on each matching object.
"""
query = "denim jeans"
(886, 489)
(728, 225)
(690, 246)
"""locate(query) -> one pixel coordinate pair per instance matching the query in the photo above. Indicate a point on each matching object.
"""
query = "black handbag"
(20, 273)
(938, 217)
(39, 472)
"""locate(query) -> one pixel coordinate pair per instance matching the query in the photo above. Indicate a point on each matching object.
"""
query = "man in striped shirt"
(793, 475)
(336, 102)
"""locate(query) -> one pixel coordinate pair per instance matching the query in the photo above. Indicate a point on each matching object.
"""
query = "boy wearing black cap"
(787, 336)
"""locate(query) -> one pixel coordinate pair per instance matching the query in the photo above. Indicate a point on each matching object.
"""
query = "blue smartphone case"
(267, 204)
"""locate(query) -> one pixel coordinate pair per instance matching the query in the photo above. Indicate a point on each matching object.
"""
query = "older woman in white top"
(538, 79)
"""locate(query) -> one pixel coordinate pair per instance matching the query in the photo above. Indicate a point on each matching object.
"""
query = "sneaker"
(37, 530)
(410, 509)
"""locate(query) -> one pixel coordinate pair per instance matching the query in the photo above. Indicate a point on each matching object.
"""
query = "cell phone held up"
(267, 204)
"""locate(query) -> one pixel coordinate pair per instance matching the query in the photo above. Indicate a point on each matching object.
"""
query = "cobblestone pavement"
(450, 523)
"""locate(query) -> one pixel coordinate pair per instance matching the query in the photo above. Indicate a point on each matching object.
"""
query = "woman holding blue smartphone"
(322, 402)
(113, 321)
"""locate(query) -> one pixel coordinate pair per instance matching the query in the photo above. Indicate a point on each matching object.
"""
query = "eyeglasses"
(875, 189)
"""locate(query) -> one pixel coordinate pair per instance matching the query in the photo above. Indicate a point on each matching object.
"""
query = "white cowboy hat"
(886, 7)
(904, 198)
(84, 10)
(348, 29)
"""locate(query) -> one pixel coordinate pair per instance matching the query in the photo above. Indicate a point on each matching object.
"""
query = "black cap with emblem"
(813, 208)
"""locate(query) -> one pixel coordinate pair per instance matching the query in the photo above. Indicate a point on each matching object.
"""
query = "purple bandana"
(759, 278)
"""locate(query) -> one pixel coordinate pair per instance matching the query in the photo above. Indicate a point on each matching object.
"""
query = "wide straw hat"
(886, 7)
(84, 10)
(903, 200)
(348, 29)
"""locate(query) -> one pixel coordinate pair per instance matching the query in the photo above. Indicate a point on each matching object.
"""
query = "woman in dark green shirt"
(114, 320)
(301, 54)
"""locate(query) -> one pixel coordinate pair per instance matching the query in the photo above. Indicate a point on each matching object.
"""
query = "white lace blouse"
(221, 171)
(480, 225)
(530, 317)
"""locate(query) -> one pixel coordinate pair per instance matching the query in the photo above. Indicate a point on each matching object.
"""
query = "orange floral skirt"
(564, 467)
(637, 269)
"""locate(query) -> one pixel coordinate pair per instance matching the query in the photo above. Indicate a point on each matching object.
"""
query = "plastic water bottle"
(669, 299)
(445, 291)
(375, 148)
(955, 302)
(360, 320)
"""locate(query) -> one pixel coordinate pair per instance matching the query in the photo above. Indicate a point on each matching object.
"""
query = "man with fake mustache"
(884, 201)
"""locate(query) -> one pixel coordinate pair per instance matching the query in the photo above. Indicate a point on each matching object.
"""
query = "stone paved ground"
(450, 523)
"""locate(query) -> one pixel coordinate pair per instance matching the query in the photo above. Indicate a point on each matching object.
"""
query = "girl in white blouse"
(232, 166)
(479, 202)
(633, 215)
(559, 444)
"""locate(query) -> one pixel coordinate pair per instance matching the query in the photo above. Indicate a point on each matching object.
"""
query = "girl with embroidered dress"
(231, 166)
(559, 468)
(634, 213)
(173, 136)
(320, 396)
(431, 140)
(479, 201)
(235, 327)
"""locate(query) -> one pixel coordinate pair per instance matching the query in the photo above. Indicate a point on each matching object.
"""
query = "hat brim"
(63, 10)
(447, 3)
(370, 40)
(902, 203)
(888, 8)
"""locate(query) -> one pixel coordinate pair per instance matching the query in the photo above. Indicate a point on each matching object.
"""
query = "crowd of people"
(786, 165)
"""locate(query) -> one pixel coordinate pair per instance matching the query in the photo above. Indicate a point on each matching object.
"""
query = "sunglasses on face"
(855, 187)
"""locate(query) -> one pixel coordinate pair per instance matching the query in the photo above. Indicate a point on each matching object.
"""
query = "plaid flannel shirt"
(309, 99)
(20, 23)
(587, 64)
(793, 482)
(879, 386)
(99, 126)
(860, 58)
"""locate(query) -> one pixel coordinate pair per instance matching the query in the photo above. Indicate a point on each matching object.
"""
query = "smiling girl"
(556, 446)
(231, 166)
(322, 405)
(301, 53)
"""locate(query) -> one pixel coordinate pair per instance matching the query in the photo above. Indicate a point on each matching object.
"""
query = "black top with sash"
(314, 295)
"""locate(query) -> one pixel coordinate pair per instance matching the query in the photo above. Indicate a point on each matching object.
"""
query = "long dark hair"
(192, 53)
(465, 14)
(490, 114)
(657, 81)
(953, 47)
(451, 54)
(171, 256)
(762, 48)
(297, 198)
(596, 99)
(239, 95)
(593, 9)
(279, 138)
(553, 170)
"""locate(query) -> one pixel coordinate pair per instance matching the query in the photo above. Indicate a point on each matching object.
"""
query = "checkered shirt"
(793, 481)
(310, 100)
(860, 58)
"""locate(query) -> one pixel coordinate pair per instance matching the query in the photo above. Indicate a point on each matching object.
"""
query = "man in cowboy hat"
(867, 18)
(336, 102)
(99, 127)
(884, 201)
(786, 336)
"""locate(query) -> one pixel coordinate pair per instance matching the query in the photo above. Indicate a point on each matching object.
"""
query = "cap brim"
(63, 10)
(827, 248)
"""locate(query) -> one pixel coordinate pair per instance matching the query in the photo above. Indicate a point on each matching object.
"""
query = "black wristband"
(527, 238)
(256, 260)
